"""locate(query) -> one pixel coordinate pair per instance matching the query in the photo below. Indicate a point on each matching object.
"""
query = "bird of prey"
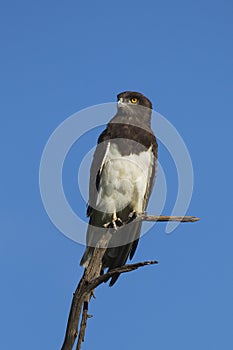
(122, 177)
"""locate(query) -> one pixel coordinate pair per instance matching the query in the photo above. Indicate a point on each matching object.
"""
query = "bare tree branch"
(164, 218)
(83, 325)
(122, 269)
(82, 294)
(91, 279)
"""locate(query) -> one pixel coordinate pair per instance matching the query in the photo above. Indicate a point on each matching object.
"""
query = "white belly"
(124, 180)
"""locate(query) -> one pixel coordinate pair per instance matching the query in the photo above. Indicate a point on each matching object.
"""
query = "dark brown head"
(133, 98)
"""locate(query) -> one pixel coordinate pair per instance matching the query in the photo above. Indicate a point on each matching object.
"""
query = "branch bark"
(164, 218)
(91, 279)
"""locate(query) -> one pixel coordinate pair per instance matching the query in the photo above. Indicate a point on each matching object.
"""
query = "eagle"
(122, 177)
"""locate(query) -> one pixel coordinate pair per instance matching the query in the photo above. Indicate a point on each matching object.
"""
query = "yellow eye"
(134, 100)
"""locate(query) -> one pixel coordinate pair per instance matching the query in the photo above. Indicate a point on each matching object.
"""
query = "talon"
(134, 214)
(120, 222)
(115, 223)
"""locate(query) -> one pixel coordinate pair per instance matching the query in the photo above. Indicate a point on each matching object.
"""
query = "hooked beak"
(120, 103)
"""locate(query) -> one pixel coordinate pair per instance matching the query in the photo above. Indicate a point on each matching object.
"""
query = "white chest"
(124, 179)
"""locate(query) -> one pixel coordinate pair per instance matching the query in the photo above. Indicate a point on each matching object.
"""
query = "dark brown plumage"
(123, 167)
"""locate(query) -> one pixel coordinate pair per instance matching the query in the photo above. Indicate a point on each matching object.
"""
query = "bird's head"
(131, 101)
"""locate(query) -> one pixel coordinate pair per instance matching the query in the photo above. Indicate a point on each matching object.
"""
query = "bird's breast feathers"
(124, 179)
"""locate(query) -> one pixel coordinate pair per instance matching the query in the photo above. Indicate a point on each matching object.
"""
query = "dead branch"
(82, 294)
(91, 279)
(164, 218)
(83, 325)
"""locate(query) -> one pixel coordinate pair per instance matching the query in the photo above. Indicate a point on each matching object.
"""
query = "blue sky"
(57, 58)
